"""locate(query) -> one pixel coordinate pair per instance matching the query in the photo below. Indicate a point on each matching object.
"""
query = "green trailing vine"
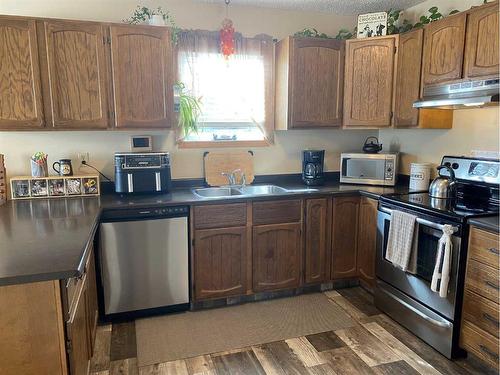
(310, 33)
(393, 27)
(189, 110)
(142, 14)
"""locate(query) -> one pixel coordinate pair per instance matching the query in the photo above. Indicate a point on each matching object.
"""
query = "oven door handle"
(422, 221)
(419, 313)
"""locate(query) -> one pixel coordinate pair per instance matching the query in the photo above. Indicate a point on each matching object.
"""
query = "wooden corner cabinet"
(74, 73)
(57, 318)
(479, 332)
(369, 81)
(367, 241)
(20, 86)
(309, 83)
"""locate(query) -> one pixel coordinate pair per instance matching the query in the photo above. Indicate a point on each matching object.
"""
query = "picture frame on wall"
(372, 24)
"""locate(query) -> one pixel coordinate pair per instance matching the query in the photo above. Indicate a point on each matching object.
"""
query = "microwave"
(369, 169)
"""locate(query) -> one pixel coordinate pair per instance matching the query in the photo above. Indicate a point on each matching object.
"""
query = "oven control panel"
(473, 169)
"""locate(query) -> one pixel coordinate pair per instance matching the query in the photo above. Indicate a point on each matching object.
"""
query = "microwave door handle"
(422, 221)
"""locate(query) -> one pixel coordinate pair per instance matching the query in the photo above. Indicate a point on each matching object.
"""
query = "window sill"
(221, 144)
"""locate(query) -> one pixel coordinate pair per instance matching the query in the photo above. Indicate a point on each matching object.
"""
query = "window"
(235, 93)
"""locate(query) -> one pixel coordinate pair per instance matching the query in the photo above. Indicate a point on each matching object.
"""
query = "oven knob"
(448, 164)
(454, 165)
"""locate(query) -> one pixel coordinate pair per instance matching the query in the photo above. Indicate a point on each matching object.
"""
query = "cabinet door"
(481, 46)
(78, 335)
(367, 240)
(408, 78)
(369, 82)
(444, 49)
(317, 74)
(345, 237)
(220, 262)
(142, 76)
(317, 242)
(74, 72)
(276, 256)
(20, 88)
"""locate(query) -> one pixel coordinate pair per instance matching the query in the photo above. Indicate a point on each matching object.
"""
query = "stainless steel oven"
(408, 298)
(369, 169)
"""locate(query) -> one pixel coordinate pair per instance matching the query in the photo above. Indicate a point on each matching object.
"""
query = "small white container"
(156, 20)
(420, 175)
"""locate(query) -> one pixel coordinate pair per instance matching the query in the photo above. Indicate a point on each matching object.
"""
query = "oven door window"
(369, 169)
(428, 239)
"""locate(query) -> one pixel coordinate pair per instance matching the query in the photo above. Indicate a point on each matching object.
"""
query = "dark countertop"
(47, 239)
(487, 223)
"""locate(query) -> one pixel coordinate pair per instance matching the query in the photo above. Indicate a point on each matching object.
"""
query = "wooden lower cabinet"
(345, 237)
(317, 240)
(276, 256)
(367, 241)
(220, 262)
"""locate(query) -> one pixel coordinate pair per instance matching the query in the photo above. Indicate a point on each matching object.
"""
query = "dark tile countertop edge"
(111, 201)
(489, 223)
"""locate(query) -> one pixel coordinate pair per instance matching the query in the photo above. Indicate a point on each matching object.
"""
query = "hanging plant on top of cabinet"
(157, 17)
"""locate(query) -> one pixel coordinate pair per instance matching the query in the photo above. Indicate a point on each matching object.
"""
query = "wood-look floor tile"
(360, 299)
(345, 362)
(242, 363)
(370, 349)
(105, 372)
(331, 293)
(201, 365)
(286, 358)
(267, 360)
(167, 368)
(325, 369)
(348, 307)
(305, 352)
(124, 367)
(399, 367)
(405, 353)
(325, 341)
(100, 360)
(123, 341)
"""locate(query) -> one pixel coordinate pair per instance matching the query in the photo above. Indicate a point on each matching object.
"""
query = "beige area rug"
(190, 334)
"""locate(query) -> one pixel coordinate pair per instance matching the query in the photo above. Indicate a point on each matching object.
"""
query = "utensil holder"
(39, 170)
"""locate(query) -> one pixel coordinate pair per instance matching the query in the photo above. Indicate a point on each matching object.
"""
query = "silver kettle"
(443, 187)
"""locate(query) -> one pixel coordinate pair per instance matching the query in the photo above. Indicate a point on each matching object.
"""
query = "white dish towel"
(443, 263)
(401, 239)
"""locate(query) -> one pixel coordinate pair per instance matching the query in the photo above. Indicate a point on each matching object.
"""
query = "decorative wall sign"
(372, 24)
(54, 186)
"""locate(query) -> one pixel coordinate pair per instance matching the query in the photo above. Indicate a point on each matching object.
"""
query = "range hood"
(472, 94)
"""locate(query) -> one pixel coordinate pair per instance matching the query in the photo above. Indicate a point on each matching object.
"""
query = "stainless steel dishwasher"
(144, 260)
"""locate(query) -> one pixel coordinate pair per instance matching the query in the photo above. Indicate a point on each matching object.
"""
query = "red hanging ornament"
(227, 36)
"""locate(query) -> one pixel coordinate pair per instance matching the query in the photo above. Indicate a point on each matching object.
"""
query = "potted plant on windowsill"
(188, 108)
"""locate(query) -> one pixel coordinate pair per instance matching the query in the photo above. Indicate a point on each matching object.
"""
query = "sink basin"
(216, 192)
(261, 190)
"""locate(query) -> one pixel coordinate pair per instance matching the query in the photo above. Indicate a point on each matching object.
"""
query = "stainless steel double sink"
(247, 191)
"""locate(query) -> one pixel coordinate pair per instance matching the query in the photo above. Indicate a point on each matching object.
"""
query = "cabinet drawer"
(482, 280)
(220, 216)
(480, 343)
(275, 212)
(483, 246)
(482, 312)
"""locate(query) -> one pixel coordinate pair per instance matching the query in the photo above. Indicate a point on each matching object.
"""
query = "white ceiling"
(343, 7)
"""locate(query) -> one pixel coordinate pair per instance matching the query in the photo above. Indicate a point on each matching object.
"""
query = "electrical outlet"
(83, 157)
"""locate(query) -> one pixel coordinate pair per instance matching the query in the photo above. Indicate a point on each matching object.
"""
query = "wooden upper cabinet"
(408, 78)
(317, 241)
(444, 49)
(481, 46)
(20, 87)
(74, 71)
(309, 83)
(369, 82)
(276, 256)
(345, 237)
(367, 240)
(220, 262)
(142, 75)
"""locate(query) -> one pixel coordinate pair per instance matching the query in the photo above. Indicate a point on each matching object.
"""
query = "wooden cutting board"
(216, 163)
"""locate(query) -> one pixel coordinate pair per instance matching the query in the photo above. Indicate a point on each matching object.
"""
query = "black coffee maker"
(312, 167)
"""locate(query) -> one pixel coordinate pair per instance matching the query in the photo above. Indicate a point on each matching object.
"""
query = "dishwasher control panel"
(144, 213)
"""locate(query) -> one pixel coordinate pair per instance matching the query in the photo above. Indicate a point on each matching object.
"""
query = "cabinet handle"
(489, 352)
(494, 251)
(491, 285)
(491, 319)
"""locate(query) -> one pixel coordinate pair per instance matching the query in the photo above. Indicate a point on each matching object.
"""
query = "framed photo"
(90, 185)
(20, 188)
(56, 187)
(73, 186)
(39, 188)
(372, 24)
